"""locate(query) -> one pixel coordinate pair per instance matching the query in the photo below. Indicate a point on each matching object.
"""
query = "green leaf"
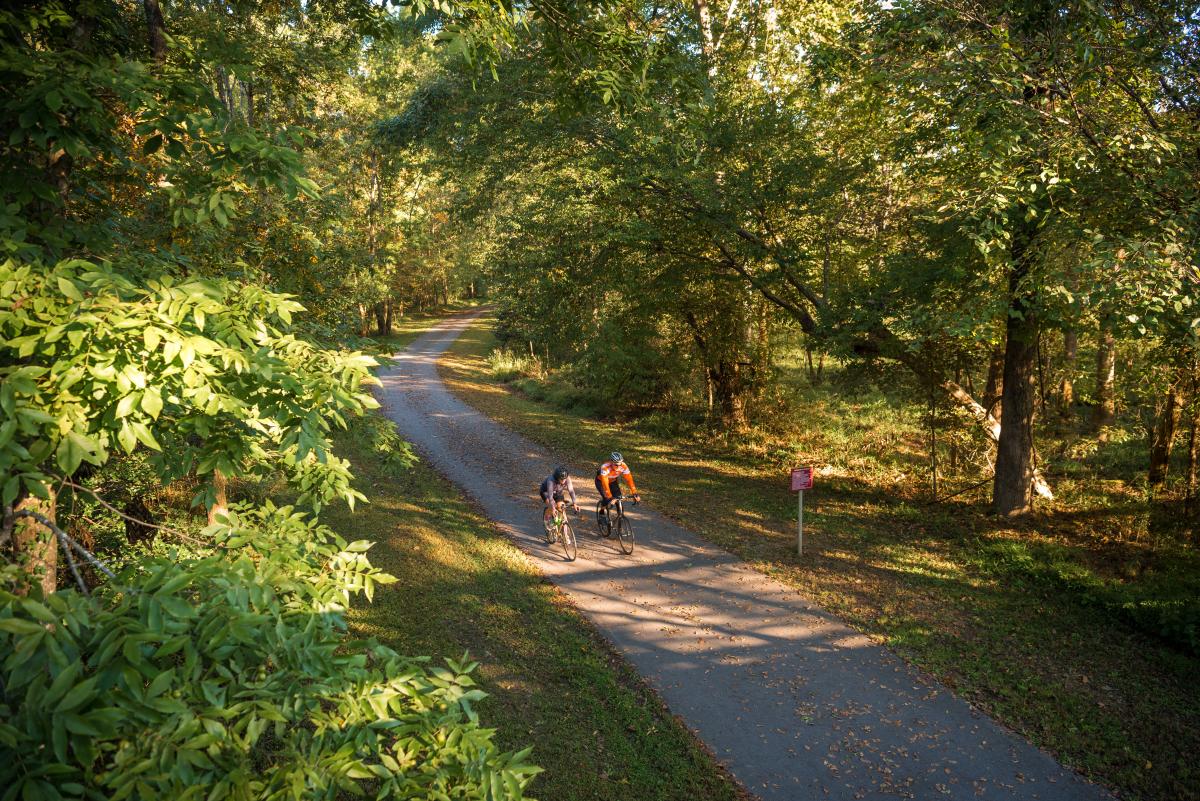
(17, 625)
(127, 438)
(151, 336)
(152, 144)
(70, 453)
(69, 289)
(152, 403)
(126, 403)
(142, 432)
(160, 684)
(78, 695)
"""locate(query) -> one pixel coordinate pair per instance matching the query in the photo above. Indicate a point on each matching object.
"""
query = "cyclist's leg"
(547, 510)
(600, 488)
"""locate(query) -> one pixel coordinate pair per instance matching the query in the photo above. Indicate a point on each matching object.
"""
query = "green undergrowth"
(1058, 626)
(553, 683)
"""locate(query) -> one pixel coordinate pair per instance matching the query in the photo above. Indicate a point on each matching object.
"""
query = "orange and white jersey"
(610, 472)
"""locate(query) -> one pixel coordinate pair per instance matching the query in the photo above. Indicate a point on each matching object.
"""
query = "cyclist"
(557, 485)
(608, 480)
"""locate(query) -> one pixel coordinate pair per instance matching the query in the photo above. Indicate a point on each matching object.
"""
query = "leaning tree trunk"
(35, 546)
(1105, 409)
(1163, 437)
(1012, 492)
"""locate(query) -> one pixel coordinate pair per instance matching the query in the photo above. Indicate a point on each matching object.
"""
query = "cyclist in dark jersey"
(554, 490)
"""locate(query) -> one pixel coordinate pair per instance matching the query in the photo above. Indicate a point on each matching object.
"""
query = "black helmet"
(616, 458)
(560, 474)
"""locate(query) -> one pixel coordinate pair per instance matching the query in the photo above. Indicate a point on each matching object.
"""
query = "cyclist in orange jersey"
(608, 479)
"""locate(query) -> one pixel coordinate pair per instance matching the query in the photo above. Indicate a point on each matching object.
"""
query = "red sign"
(801, 478)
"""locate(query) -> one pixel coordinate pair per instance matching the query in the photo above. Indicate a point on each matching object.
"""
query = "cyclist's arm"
(629, 481)
(605, 487)
(571, 491)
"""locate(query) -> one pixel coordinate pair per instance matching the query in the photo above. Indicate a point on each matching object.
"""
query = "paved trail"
(793, 702)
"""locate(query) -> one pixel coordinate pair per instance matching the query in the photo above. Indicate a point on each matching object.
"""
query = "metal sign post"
(802, 479)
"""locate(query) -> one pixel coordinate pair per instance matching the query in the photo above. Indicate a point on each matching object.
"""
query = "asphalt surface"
(792, 701)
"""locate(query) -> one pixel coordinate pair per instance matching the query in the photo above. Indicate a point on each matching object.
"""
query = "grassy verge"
(553, 682)
(948, 586)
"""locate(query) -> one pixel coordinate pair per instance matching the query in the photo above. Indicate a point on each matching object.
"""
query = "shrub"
(227, 675)
(506, 365)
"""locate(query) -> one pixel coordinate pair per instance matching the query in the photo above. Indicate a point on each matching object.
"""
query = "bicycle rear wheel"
(567, 536)
(625, 534)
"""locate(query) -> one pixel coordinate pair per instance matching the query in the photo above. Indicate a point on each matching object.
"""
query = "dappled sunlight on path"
(796, 704)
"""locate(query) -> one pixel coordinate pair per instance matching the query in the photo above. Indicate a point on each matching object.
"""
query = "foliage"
(175, 288)
(376, 435)
(228, 674)
(905, 181)
(204, 371)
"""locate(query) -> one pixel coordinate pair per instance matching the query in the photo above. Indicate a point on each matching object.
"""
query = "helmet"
(560, 474)
(616, 457)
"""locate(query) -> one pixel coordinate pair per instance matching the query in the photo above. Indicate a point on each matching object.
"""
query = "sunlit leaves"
(209, 367)
(226, 673)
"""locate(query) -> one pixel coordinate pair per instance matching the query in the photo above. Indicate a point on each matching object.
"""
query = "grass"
(553, 682)
(1031, 622)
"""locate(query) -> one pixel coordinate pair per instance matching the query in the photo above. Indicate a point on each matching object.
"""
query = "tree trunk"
(1192, 441)
(382, 327)
(815, 371)
(250, 119)
(1163, 437)
(991, 427)
(156, 29)
(221, 499)
(729, 389)
(995, 381)
(364, 320)
(707, 47)
(1012, 492)
(1066, 385)
(1105, 409)
(35, 547)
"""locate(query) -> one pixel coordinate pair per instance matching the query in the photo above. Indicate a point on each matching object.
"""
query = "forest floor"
(999, 612)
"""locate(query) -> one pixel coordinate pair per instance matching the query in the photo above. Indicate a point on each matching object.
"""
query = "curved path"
(793, 702)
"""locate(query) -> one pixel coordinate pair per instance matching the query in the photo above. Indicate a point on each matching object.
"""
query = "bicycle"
(558, 529)
(605, 523)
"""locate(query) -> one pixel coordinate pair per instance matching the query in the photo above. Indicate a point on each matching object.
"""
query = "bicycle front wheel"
(625, 534)
(603, 524)
(567, 536)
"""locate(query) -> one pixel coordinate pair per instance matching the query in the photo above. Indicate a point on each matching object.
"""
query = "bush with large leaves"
(204, 371)
(227, 675)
